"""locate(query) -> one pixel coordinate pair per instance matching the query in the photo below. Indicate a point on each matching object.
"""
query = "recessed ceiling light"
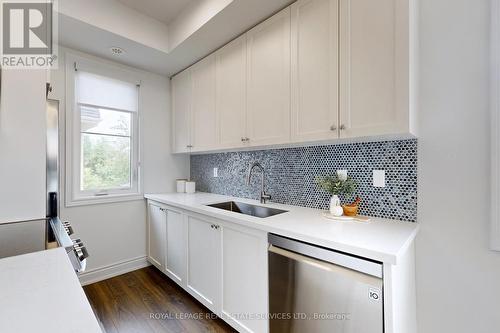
(117, 51)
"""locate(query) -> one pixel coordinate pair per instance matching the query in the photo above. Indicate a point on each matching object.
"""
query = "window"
(104, 163)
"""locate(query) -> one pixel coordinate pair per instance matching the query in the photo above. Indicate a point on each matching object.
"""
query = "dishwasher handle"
(300, 251)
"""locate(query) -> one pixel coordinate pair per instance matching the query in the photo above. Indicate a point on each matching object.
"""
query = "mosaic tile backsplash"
(291, 172)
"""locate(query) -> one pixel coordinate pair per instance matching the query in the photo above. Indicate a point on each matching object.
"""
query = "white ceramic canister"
(181, 185)
(190, 187)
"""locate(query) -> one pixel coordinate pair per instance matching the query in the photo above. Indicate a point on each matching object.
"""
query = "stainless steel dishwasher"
(313, 289)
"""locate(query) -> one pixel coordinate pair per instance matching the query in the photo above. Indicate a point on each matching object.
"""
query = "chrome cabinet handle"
(342, 127)
(189, 146)
(333, 128)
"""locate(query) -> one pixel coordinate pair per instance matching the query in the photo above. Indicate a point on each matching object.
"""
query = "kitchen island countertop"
(40, 292)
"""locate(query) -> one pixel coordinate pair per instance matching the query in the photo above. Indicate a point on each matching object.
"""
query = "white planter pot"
(335, 207)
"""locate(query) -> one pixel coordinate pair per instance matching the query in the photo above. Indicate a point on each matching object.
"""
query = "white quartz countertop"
(380, 239)
(40, 292)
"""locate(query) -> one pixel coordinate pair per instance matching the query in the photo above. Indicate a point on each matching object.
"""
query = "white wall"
(115, 234)
(458, 277)
(22, 145)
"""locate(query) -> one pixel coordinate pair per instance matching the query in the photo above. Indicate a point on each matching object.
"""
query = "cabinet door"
(244, 277)
(156, 235)
(204, 134)
(268, 90)
(231, 93)
(374, 67)
(203, 261)
(175, 257)
(314, 70)
(181, 110)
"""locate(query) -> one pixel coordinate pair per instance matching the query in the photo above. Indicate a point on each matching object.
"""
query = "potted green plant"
(338, 184)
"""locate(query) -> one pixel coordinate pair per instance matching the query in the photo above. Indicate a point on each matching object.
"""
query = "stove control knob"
(68, 228)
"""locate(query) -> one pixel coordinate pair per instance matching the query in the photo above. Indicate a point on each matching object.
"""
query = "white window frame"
(495, 125)
(74, 195)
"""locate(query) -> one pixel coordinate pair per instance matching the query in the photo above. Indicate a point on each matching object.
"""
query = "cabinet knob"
(342, 127)
(243, 139)
(333, 128)
(247, 139)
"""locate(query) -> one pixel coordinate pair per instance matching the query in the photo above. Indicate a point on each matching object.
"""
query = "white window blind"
(97, 90)
(105, 149)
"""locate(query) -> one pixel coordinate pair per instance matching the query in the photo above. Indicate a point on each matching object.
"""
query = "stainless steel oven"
(313, 289)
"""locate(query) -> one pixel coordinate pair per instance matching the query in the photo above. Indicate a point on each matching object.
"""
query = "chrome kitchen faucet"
(263, 195)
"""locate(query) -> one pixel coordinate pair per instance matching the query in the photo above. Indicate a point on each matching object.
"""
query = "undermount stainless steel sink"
(247, 209)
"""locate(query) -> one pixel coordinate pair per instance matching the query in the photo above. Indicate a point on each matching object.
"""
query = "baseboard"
(106, 272)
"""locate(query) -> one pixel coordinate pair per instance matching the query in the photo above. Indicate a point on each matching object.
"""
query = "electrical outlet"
(342, 174)
(216, 172)
(378, 178)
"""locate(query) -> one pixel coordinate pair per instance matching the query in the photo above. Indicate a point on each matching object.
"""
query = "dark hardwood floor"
(146, 301)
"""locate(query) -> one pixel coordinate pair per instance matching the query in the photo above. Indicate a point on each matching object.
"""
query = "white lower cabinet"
(167, 241)
(203, 252)
(221, 264)
(244, 296)
(175, 256)
(157, 224)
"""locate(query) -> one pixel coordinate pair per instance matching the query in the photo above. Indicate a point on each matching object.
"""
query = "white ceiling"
(162, 10)
(233, 20)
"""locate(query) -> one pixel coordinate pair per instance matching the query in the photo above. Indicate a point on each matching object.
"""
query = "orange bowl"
(350, 210)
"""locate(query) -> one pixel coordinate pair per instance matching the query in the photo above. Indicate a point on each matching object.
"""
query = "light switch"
(378, 178)
(216, 172)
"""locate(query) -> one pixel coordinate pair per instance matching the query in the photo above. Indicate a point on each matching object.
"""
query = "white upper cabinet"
(204, 135)
(181, 109)
(374, 67)
(268, 81)
(315, 70)
(231, 61)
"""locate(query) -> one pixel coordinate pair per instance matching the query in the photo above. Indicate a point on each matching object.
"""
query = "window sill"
(86, 201)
